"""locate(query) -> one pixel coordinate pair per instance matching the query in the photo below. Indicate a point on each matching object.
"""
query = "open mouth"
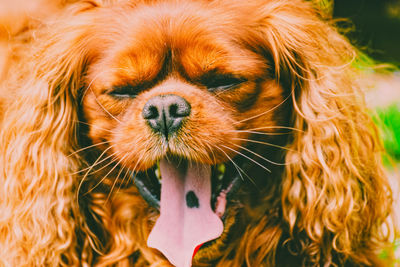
(225, 181)
(192, 199)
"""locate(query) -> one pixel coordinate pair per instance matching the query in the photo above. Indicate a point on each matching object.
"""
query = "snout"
(165, 113)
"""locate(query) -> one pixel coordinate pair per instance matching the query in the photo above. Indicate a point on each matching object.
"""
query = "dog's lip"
(225, 181)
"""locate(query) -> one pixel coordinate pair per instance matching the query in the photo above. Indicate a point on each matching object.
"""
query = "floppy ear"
(334, 189)
(39, 133)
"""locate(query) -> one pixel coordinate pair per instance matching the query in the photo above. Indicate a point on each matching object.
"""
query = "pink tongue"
(186, 218)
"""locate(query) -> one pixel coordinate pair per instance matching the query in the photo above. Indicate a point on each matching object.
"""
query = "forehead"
(186, 38)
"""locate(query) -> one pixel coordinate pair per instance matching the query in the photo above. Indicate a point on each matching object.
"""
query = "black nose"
(165, 113)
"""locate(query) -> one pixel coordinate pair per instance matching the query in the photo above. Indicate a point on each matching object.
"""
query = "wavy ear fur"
(334, 189)
(38, 137)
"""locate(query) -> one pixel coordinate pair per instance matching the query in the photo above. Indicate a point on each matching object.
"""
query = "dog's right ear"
(38, 137)
(334, 189)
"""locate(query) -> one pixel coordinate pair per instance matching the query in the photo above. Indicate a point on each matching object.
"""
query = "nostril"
(179, 108)
(151, 112)
(173, 111)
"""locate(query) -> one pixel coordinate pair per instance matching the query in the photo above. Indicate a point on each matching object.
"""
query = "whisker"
(105, 176)
(265, 112)
(86, 174)
(116, 178)
(256, 132)
(243, 155)
(138, 161)
(89, 87)
(258, 155)
(210, 146)
(275, 127)
(98, 102)
(97, 163)
(238, 169)
(133, 169)
(123, 179)
(112, 187)
(87, 147)
(94, 78)
(264, 143)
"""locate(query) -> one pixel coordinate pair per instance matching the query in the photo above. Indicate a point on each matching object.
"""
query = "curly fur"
(328, 207)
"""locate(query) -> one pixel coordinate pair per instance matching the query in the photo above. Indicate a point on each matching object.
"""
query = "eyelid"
(220, 82)
(131, 90)
(123, 91)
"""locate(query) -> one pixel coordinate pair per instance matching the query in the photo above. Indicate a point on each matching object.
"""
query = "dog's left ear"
(334, 188)
(38, 138)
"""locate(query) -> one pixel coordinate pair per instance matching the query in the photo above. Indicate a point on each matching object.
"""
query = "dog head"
(177, 95)
(228, 125)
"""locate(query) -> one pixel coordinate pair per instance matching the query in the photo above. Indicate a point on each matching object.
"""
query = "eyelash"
(215, 83)
(125, 91)
(222, 83)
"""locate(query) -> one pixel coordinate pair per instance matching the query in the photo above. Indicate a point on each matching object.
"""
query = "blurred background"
(376, 26)
(375, 29)
(376, 32)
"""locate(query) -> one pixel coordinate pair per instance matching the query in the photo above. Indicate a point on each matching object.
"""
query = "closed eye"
(216, 83)
(125, 91)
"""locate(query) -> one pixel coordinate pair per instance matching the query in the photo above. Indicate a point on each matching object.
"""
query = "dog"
(187, 133)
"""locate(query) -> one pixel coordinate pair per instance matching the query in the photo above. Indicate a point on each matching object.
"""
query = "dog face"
(178, 93)
(157, 131)
(219, 83)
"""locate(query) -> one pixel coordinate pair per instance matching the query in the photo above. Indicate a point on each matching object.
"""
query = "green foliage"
(388, 121)
(325, 5)
(389, 254)
(364, 62)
